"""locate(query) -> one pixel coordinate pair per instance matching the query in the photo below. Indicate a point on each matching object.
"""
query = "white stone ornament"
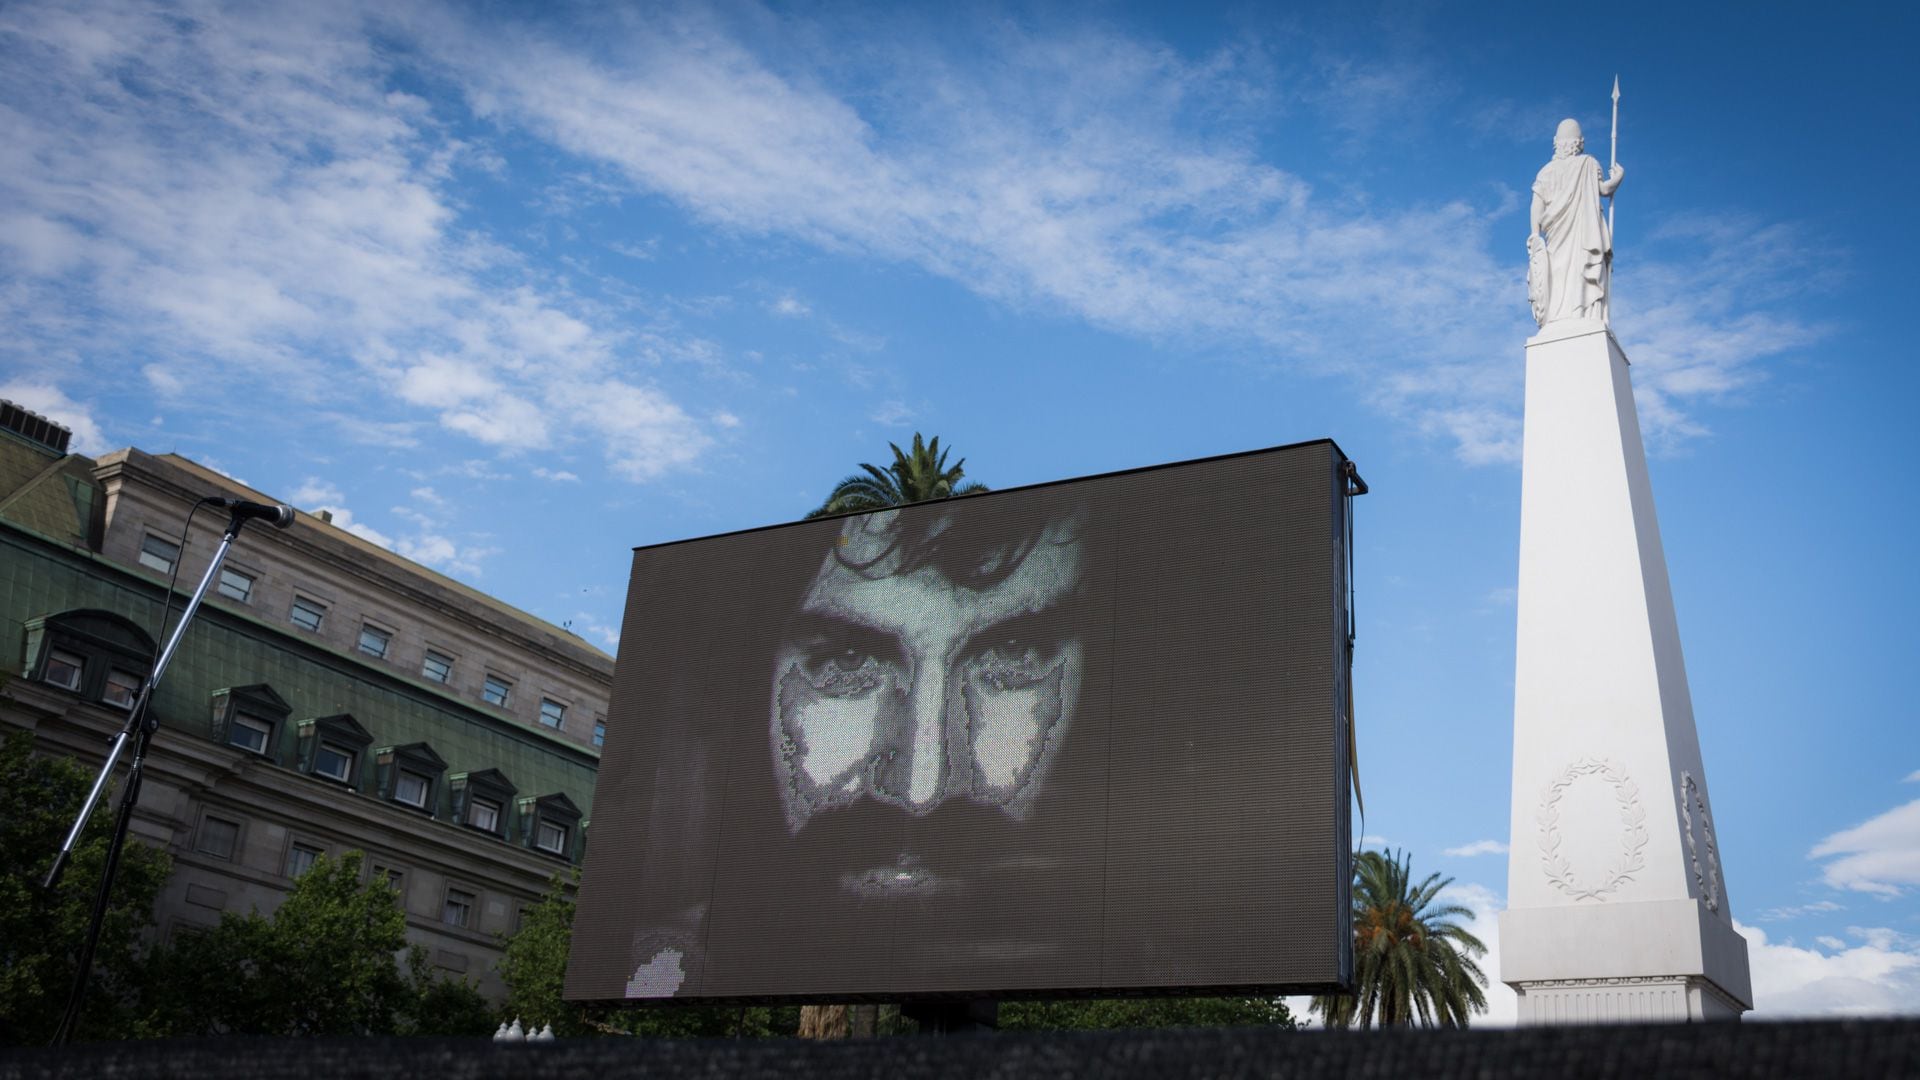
(1700, 848)
(1633, 829)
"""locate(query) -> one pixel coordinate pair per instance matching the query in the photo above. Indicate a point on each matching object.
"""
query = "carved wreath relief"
(1633, 830)
(1691, 800)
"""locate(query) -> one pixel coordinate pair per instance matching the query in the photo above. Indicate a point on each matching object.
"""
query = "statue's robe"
(1578, 248)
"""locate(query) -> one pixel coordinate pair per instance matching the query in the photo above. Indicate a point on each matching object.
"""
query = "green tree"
(41, 932)
(534, 962)
(327, 962)
(1145, 1013)
(1412, 962)
(915, 476)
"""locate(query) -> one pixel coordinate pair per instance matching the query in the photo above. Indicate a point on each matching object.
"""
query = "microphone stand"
(138, 730)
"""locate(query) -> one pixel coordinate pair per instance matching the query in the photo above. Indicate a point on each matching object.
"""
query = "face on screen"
(928, 664)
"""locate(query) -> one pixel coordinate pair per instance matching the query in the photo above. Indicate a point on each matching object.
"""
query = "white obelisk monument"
(1616, 903)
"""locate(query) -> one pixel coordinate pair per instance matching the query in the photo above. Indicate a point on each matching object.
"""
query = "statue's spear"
(1614, 154)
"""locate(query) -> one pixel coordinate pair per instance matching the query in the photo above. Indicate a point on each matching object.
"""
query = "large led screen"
(1083, 737)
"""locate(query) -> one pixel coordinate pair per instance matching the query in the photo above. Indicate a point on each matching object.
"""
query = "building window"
(481, 800)
(158, 554)
(410, 775)
(122, 687)
(484, 814)
(300, 859)
(496, 691)
(374, 641)
(333, 762)
(249, 733)
(235, 585)
(552, 713)
(330, 747)
(64, 669)
(458, 910)
(436, 667)
(251, 718)
(308, 613)
(218, 837)
(412, 788)
(599, 733)
(550, 821)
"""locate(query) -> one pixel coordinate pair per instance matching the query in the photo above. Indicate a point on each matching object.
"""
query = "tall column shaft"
(1616, 903)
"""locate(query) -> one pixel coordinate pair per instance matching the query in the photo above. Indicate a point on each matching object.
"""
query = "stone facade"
(380, 725)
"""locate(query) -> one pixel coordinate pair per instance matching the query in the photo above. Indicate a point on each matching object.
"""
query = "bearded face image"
(922, 668)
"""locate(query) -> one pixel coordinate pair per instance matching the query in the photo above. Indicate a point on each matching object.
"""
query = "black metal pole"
(139, 731)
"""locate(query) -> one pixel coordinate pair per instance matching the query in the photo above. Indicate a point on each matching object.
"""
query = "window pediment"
(481, 799)
(411, 775)
(550, 824)
(334, 748)
(251, 717)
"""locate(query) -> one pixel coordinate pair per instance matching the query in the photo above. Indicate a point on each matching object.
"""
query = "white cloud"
(558, 475)
(726, 420)
(1780, 914)
(1878, 975)
(790, 307)
(892, 414)
(645, 252)
(1912, 777)
(584, 624)
(241, 193)
(1478, 847)
(1074, 176)
(427, 544)
(238, 196)
(1880, 855)
(316, 493)
(644, 433)
(343, 519)
(49, 401)
(432, 549)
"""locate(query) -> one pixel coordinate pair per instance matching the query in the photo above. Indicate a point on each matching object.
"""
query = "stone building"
(330, 696)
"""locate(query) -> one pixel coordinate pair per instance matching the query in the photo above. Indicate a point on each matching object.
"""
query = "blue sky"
(513, 289)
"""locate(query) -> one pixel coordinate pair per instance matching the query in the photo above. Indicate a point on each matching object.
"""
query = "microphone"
(278, 515)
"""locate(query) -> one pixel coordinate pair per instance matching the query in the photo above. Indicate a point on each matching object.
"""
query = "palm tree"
(913, 477)
(1411, 961)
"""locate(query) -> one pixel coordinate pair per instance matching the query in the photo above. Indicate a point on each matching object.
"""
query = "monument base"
(1611, 963)
(1641, 998)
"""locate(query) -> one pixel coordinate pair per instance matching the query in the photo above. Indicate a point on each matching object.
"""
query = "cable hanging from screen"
(1354, 486)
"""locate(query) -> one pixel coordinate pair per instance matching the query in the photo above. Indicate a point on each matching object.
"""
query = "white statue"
(1568, 272)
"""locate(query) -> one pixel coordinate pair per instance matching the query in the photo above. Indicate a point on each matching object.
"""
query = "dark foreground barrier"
(1859, 1048)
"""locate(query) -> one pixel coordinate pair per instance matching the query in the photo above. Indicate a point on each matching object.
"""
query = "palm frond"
(1412, 963)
